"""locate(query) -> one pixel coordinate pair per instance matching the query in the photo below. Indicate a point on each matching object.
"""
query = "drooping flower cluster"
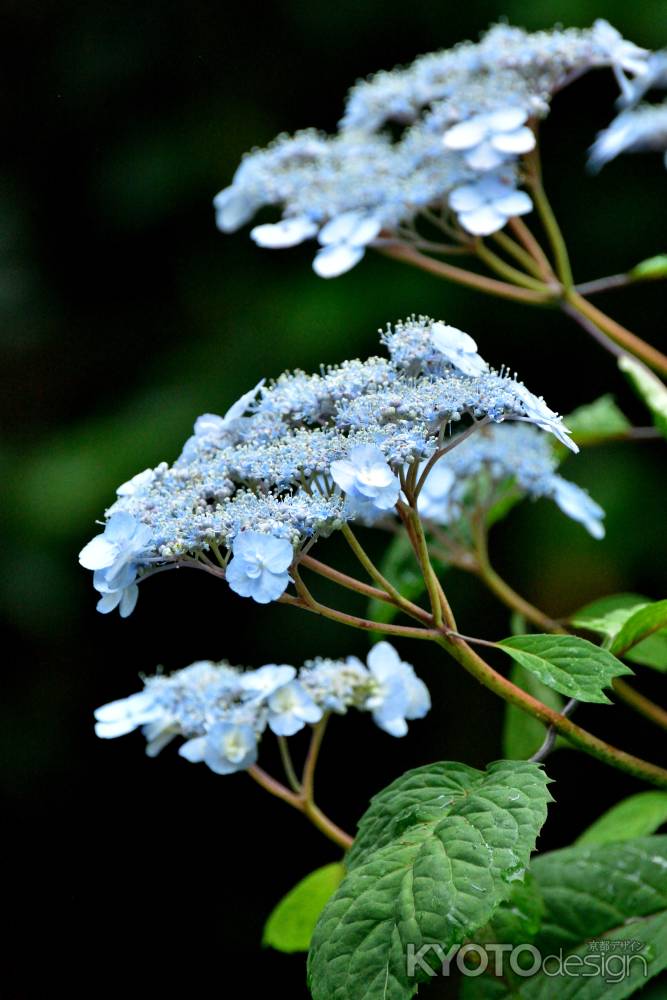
(223, 711)
(292, 461)
(640, 127)
(466, 115)
(498, 462)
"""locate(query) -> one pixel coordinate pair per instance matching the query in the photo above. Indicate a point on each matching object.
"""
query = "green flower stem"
(288, 766)
(608, 284)
(350, 583)
(440, 608)
(512, 274)
(624, 338)
(308, 776)
(313, 812)
(308, 603)
(481, 282)
(548, 219)
(369, 565)
(515, 602)
(532, 246)
(413, 495)
(521, 256)
(579, 737)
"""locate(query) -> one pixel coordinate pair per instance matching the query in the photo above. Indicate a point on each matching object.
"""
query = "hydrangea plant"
(429, 444)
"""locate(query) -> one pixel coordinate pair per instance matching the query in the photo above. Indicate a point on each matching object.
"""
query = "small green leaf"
(636, 816)
(650, 269)
(597, 421)
(649, 387)
(437, 852)
(292, 922)
(573, 666)
(643, 623)
(609, 615)
(523, 735)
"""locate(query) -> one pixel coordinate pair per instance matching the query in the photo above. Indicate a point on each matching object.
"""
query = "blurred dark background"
(125, 315)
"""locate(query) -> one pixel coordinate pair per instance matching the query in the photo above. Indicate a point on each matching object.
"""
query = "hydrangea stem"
(491, 286)
(624, 338)
(579, 737)
(309, 809)
(548, 219)
(515, 602)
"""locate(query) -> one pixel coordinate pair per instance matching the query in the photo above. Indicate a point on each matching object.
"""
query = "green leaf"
(650, 269)
(291, 923)
(566, 663)
(523, 735)
(636, 816)
(648, 936)
(597, 421)
(437, 852)
(608, 615)
(590, 889)
(649, 388)
(642, 624)
(594, 893)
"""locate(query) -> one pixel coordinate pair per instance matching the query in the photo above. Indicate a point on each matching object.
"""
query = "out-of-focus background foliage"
(125, 314)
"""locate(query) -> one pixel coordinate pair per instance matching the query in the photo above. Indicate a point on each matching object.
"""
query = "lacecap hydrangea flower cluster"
(223, 711)
(496, 462)
(466, 117)
(294, 460)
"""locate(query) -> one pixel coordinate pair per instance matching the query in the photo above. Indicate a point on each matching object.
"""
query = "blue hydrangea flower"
(578, 505)
(291, 708)
(115, 555)
(637, 130)
(259, 566)
(228, 747)
(433, 500)
(484, 206)
(367, 479)
(489, 138)
(458, 348)
(399, 695)
(266, 680)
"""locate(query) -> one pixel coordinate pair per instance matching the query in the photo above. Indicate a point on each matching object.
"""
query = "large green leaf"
(636, 816)
(523, 734)
(438, 850)
(590, 889)
(597, 421)
(589, 895)
(616, 979)
(291, 923)
(566, 663)
(607, 617)
(649, 387)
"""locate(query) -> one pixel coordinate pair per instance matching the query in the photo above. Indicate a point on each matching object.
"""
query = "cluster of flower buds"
(223, 711)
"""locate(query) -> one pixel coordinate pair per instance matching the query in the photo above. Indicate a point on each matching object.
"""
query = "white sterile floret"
(291, 708)
(485, 206)
(287, 233)
(638, 130)
(578, 505)
(367, 479)
(458, 348)
(344, 240)
(488, 139)
(259, 566)
(399, 694)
